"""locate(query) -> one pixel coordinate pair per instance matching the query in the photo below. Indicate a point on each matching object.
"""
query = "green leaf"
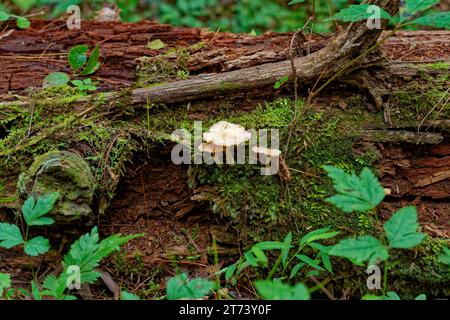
(318, 234)
(251, 259)
(87, 252)
(358, 12)
(401, 229)
(124, 295)
(326, 262)
(4, 16)
(24, 5)
(33, 212)
(23, 23)
(5, 282)
(296, 2)
(36, 246)
(361, 249)
(35, 291)
(77, 57)
(10, 236)
(355, 193)
(391, 296)
(260, 255)
(309, 261)
(415, 6)
(230, 271)
(421, 297)
(296, 269)
(436, 20)
(179, 287)
(55, 79)
(445, 258)
(269, 245)
(286, 247)
(372, 297)
(93, 64)
(156, 44)
(275, 290)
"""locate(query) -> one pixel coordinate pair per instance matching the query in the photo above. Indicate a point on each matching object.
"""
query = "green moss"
(440, 65)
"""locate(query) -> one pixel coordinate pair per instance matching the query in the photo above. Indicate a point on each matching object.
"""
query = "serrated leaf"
(124, 295)
(437, 20)
(355, 193)
(156, 44)
(4, 16)
(93, 63)
(36, 246)
(180, 287)
(445, 258)
(415, 6)
(5, 282)
(275, 290)
(87, 252)
(391, 296)
(318, 234)
(401, 229)
(361, 249)
(35, 291)
(23, 23)
(10, 236)
(77, 57)
(55, 79)
(309, 261)
(358, 12)
(33, 212)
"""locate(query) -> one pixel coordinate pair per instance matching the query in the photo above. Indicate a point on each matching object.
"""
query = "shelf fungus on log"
(67, 173)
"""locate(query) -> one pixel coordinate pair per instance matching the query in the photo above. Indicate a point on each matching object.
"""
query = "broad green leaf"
(156, 44)
(77, 57)
(275, 290)
(93, 63)
(401, 229)
(318, 234)
(33, 212)
(361, 249)
(309, 261)
(286, 247)
(55, 79)
(4, 16)
(56, 286)
(10, 236)
(358, 12)
(414, 6)
(23, 23)
(230, 271)
(445, 258)
(124, 295)
(269, 245)
(5, 282)
(180, 287)
(296, 2)
(372, 297)
(250, 257)
(355, 193)
(437, 20)
(35, 291)
(421, 297)
(36, 246)
(391, 296)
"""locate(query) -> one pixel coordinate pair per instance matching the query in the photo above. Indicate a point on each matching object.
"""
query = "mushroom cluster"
(223, 136)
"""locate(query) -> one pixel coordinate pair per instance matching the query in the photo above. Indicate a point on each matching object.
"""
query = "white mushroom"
(226, 134)
(266, 151)
(210, 147)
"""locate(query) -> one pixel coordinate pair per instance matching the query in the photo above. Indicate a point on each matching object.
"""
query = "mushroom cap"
(210, 147)
(267, 151)
(226, 134)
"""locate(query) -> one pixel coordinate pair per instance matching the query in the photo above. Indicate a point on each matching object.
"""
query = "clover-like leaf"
(4, 16)
(33, 212)
(358, 12)
(180, 287)
(23, 23)
(401, 229)
(77, 57)
(276, 290)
